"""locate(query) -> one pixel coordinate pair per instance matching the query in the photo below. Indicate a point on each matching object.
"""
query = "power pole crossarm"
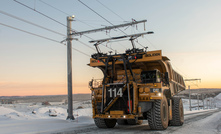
(120, 37)
(192, 79)
(108, 28)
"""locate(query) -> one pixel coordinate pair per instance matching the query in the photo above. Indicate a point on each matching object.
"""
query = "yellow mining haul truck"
(137, 85)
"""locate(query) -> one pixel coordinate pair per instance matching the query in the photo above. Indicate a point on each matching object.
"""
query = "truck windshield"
(150, 76)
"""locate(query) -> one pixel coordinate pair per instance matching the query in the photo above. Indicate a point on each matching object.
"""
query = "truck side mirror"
(91, 83)
(166, 77)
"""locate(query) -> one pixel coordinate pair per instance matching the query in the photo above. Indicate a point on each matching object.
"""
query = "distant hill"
(50, 98)
(82, 97)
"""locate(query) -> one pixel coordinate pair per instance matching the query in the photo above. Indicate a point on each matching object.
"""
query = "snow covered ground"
(208, 125)
(18, 118)
(34, 117)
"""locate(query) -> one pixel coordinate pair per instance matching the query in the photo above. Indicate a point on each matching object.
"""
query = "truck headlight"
(155, 90)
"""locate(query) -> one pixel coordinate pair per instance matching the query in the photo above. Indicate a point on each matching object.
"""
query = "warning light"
(98, 61)
(135, 57)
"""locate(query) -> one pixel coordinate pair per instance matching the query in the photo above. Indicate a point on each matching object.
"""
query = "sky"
(188, 33)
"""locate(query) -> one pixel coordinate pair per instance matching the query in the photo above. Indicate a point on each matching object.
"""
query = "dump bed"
(146, 61)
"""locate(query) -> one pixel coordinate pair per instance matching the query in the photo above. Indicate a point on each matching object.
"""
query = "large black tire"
(134, 122)
(177, 112)
(105, 123)
(122, 122)
(158, 115)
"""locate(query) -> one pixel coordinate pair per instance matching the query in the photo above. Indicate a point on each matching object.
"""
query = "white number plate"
(113, 92)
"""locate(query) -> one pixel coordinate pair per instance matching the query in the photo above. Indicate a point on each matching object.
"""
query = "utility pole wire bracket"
(108, 28)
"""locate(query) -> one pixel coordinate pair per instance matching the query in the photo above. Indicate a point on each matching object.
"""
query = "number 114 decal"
(114, 92)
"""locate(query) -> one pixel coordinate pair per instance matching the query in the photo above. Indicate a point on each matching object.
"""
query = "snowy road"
(19, 119)
(206, 122)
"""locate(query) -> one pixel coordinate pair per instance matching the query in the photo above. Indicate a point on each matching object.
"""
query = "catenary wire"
(15, 17)
(116, 15)
(123, 20)
(40, 13)
(31, 33)
(54, 7)
(52, 19)
(107, 21)
(110, 10)
(66, 26)
(100, 15)
(49, 18)
(41, 37)
(64, 12)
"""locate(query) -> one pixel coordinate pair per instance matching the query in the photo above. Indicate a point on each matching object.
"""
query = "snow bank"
(7, 113)
(43, 112)
(6, 110)
(218, 97)
(83, 112)
(217, 100)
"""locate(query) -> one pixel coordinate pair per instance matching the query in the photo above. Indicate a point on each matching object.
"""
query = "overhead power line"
(118, 16)
(31, 33)
(54, 8)
(111, 23)
(15, 17)
(41, 37)
(81, 52)
(150, 43)
(40, 13)
(110, 10)
(100, 15)
(48, 17)
(86, 45)
(63, 12)
(52, 18)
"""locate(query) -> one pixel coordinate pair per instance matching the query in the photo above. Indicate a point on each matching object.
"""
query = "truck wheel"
(105, 123)
(158, 115)
(122, 122)
(134, 122)
(177, 112)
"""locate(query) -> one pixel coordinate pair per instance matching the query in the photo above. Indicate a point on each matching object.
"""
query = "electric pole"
(207, 102)
(203, 101)
(69, 68)
(189, 98)
(198, 101)
(189, 90)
